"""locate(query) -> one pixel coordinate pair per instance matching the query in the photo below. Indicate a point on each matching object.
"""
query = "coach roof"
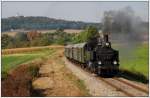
(79, 45)
(68, 46)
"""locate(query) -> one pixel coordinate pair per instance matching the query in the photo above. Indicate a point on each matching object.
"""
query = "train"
(96, 55)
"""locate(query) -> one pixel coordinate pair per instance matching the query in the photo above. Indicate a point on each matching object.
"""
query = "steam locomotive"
(96, 55)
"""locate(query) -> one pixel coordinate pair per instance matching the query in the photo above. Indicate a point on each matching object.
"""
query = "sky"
(76, 11)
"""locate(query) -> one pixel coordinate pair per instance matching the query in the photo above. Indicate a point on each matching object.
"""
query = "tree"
(21, 36)
(60, 30)
(6, 40)
(91, 32)
(32, 35)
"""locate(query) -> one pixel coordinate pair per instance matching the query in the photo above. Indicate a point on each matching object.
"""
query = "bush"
(4, 75)
(34, 70)
(6, 40)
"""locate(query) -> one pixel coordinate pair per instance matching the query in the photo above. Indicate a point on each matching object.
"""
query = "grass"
(12, 60)
(135, 60)
(9, 61)
(79, 83)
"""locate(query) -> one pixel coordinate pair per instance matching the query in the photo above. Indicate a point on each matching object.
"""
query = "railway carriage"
(67, 51)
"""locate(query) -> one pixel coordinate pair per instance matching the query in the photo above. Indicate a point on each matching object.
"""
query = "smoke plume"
(124, 22)
(124, 28)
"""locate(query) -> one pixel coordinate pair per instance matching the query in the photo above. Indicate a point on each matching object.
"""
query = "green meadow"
(135, 60)
(11, 61)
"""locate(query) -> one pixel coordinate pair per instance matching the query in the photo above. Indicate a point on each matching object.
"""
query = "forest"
(38, 23)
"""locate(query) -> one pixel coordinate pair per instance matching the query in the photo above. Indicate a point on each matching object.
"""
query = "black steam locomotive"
(96, 54)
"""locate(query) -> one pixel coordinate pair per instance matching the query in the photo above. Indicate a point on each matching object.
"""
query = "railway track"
(129, 88)
(133, 85)
(126, 87)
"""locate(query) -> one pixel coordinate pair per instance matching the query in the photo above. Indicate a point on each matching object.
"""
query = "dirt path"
(56, 80)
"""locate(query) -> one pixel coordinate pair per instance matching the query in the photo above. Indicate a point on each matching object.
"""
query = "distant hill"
(40, 23)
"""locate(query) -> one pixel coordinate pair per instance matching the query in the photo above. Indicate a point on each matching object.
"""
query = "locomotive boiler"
(96, 54)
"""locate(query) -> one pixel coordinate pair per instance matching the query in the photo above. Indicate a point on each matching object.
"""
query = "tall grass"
(136, 61)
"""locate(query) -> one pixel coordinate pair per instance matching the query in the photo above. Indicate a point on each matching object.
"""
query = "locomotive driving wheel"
(89, 65)
(93, 69)
(99, 72)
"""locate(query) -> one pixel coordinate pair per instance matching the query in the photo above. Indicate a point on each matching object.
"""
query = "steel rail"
(121, 89)
(132, 85)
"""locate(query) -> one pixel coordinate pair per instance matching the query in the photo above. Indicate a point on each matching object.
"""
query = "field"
(136, 60)
(45, 67)
(13, 33)
(11, 61)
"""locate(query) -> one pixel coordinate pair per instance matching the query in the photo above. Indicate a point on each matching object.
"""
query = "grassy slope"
(136, 61)
(12, 60)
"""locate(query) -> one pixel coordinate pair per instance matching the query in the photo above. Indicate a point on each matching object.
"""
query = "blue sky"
(77, 11)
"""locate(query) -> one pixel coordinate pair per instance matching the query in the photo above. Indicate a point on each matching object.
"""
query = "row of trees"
(35, 38)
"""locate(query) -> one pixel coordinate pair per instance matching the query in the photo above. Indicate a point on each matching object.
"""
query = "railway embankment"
(134, 76)
(56, 80)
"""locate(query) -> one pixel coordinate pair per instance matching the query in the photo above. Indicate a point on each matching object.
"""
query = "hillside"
(39, 23)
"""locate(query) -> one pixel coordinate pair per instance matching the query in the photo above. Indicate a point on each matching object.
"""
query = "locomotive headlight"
(107, 44)
(115, 62)
(99, 62)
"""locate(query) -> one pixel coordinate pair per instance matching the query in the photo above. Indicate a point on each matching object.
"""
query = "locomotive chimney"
(106, 38)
